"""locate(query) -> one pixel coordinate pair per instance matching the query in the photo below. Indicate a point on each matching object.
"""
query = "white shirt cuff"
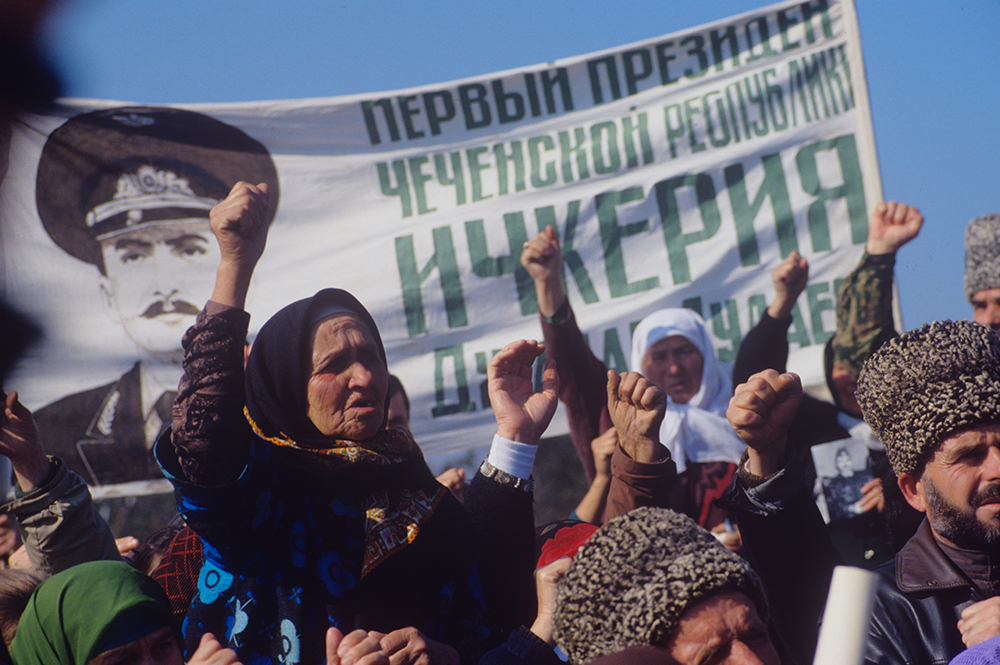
(512, 457)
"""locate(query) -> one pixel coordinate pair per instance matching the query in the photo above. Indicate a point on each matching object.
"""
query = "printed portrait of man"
(842, 468)
(129, 190)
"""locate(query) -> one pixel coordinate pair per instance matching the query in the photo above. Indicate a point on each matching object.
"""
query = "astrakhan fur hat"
(928, 383)
(982, 255)
(635, 577)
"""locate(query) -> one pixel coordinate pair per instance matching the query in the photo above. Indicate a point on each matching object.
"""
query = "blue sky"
(933, 77)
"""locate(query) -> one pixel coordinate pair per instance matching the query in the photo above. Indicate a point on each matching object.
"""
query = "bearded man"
(932, 396)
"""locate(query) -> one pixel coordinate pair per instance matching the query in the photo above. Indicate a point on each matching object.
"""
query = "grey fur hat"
(928, 383)
(982, 255)
(634, 578)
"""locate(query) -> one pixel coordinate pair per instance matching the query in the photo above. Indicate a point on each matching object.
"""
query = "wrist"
(780, 309)
(644, 451)
(232, 282)
(550, 295)
(767, 462)
(542, 629)
(524, 436)
(31, 473)
(878, 247)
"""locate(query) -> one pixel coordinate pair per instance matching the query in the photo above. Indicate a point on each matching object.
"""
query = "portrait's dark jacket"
(100, 433)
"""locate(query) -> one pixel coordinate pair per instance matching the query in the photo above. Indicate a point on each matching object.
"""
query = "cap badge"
(148, 189)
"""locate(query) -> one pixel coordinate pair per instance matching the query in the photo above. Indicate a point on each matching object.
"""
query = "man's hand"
(542, 259)
(19, 440)
(19, 559)
(357, 648)
(761, 411)
(127, 545)
(602, 448)
(980, 621)
(789, 279)
(637, 408)
(211, 652)
(239, 223)
(522, 415)
(872, 496)
(454, 480)
(729, 535)
(891, 226)
(408, 646)
(546, 580)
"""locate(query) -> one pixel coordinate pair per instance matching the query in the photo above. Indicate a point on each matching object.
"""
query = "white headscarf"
(697, 431)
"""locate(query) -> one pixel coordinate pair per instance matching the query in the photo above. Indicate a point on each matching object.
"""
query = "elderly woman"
(315, 518)
(672, 349)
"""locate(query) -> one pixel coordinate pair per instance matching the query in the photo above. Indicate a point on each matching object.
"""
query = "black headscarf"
(277, 374)
(385, 475)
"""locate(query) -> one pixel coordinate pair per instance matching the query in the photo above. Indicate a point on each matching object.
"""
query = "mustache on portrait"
(173, 307)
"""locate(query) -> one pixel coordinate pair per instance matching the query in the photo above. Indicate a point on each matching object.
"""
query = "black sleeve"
(789, 547)
(504, 523)
(522, 648)
(764, 347)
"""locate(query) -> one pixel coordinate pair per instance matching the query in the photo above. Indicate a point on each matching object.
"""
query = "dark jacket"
(100, 433)
(862, 539)
(284, 536)
(522, 648)
(789, 546)
(920, 599)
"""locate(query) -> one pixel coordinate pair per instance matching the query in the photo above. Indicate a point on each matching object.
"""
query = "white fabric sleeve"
(512, 457)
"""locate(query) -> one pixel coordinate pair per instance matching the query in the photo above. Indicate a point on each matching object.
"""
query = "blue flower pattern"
(289, 643)
(212, 582)
(307, 554)
(337, 579)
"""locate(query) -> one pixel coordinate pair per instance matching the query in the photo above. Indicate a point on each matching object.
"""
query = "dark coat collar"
(922, 566)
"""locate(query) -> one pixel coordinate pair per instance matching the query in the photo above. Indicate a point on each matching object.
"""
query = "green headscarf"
(87, 610)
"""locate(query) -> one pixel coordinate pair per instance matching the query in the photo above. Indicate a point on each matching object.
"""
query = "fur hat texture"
(982, 255)
(634, 578)
(928, 383)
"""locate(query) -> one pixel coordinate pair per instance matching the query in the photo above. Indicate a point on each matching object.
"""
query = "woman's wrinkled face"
(675, 365)
(347, 380)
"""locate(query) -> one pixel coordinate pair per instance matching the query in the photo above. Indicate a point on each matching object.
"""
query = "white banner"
(677, 171)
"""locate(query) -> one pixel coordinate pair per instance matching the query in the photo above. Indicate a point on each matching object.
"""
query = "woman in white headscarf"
(695, 424)
(672, 348)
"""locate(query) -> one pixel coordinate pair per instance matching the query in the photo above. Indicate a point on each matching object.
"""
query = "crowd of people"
(310, 529)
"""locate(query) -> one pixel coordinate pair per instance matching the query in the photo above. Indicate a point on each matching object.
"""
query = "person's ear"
(912, 488)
